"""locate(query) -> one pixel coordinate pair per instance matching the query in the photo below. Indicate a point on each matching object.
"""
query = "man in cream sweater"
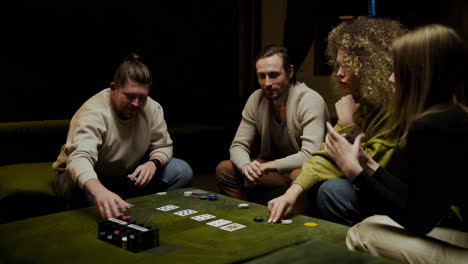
(118, 146)
(290, 119)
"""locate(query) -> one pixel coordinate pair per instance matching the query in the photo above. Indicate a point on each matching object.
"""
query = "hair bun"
(133, 57)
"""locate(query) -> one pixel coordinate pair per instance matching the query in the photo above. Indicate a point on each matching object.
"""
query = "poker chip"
(199, 192)
(310, 224)
(286, 221)
(204, 197)
(161, 193)
(212, 197)
(195, 196)
(188, 193)
(258, 219)
(243, 206)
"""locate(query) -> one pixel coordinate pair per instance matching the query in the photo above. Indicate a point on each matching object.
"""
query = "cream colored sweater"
(99, 143)
(306, 114)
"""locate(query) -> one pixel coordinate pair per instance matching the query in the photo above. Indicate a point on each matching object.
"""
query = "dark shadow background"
(309, 22)
(55, 55)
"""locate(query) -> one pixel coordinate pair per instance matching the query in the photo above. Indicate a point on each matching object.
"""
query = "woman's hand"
(346, 155)
(346, 107)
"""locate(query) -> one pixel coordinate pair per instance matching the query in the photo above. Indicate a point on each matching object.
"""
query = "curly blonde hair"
(366, 44)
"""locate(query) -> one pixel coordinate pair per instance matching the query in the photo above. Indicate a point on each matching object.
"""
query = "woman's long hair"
(429, 75)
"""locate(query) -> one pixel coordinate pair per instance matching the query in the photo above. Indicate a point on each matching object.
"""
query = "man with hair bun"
(118, 146)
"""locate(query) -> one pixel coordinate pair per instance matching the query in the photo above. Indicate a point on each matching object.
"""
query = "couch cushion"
(27, 178)
(32, 141)
(26, 191)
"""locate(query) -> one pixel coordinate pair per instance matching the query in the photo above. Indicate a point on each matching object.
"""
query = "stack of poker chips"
(212, 197)
(124, 233)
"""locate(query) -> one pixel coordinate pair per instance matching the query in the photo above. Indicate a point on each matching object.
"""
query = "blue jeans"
(339, 202)
(175, 174)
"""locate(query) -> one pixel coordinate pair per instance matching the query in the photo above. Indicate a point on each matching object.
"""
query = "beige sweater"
(99, 143)
(306, 114)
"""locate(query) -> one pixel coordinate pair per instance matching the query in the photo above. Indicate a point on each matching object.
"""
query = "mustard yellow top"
(320, 166)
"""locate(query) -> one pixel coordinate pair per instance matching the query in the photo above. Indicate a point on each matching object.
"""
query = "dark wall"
(417, 13)
(310, 22)
(54, 57)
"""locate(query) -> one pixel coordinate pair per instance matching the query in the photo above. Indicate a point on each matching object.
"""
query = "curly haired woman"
(360, 49)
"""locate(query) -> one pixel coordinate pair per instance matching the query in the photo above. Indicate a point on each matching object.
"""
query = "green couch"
(26, 177)
(29, 148)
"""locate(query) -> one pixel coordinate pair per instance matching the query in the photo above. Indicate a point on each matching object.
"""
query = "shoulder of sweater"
(257, 93)
(453, 114)
(454, 119)
(301, 92)
(96, 106)
(152, 104)
(255, 98)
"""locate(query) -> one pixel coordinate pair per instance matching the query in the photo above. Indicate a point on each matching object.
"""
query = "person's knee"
(185, 172)
(223, 170)
(363, 235)
(336, 201)
(360, 234)
(353, 241)
(180, 171)
(332, 190)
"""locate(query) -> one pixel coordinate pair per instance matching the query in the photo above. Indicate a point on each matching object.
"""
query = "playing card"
(202, 217)
(185, 212)
(199, 192)
(232, 227)
(219, 222)
(167, 208)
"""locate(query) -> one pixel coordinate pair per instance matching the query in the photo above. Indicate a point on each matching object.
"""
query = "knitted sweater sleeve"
(161, 142)
(245, 135)
(85, 137)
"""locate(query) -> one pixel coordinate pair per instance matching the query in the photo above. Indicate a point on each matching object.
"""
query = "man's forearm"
(93, 187)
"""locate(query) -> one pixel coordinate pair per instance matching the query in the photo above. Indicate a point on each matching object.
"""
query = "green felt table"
(71, 236)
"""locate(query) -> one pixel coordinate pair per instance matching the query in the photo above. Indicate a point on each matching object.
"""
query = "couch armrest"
(32, 141)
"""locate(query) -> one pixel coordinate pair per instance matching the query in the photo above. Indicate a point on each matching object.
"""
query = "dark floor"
(204, 180)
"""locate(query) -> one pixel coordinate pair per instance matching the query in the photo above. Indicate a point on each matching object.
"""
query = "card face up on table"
(219, 222)
(202, 217)
(232, 227)
(167, 208)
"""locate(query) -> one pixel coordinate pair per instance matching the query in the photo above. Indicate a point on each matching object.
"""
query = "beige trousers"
(379, 235)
